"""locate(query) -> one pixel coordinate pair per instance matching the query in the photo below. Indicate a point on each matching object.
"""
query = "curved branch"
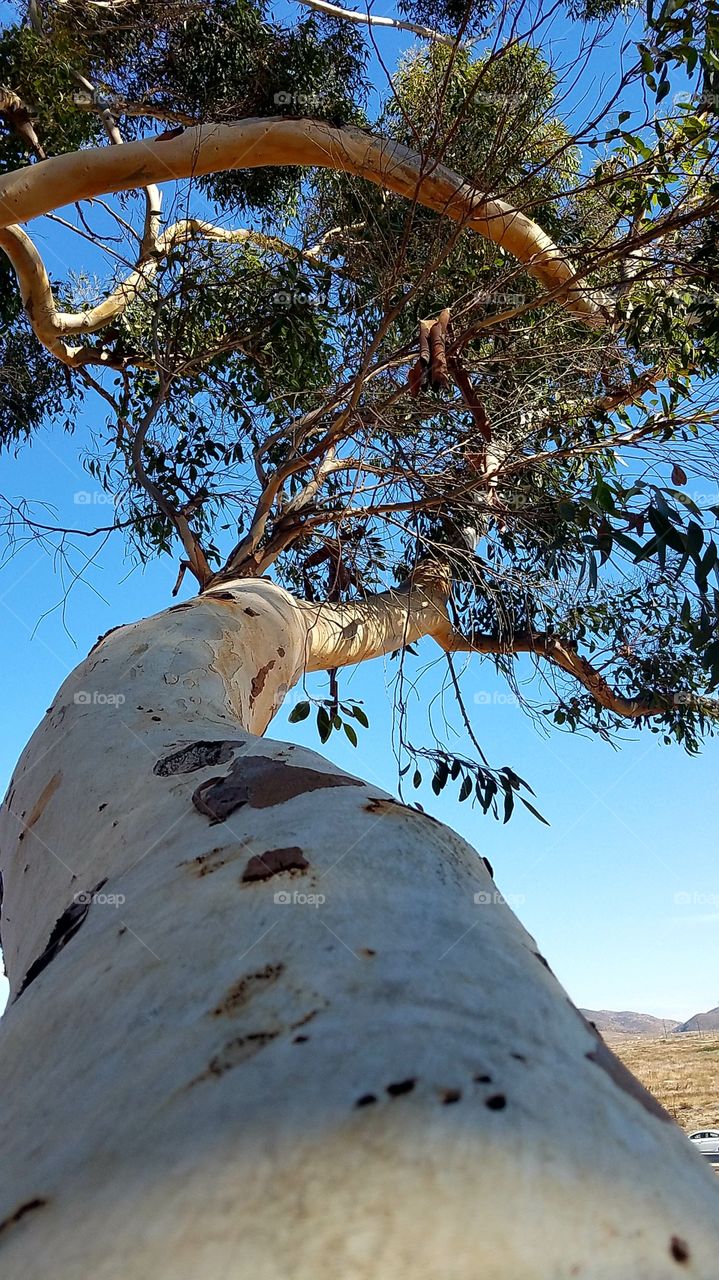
(259, 142)
(52, 327)
(369, 20)
(563, 654)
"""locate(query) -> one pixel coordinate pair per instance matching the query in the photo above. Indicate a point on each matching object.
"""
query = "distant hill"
(626, 1023)
(708, 1021)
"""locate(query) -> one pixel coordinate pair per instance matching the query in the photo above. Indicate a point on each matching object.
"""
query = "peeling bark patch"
(197, 755)
(241, 992)
(624, 1079)
(64, 929)
(400, 1087)
(29, 1207)
(272, 863)
(366, 1100)
(497, 1102)
(258, 681)
(260, 782)
(679, 1249)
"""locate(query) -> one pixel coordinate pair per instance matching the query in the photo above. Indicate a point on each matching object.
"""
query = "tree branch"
(344, 634)
(52, 327)
(196, 559)
(261, 142)
(369, 20)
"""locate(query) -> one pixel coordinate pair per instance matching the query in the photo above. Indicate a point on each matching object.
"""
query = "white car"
(707, 1140)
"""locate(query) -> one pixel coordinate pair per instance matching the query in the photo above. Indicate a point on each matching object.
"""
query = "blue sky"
(621, 891)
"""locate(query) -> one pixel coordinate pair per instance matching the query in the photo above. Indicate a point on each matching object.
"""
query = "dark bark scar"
(258, 681)
(266, 865)
(64, 929)
(104, 636)
(29, 1207)
(241, 992)
(196, 755)
(235, 1052)
(260, 782)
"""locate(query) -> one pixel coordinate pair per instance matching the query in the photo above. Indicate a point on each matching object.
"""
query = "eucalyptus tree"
(386, 347)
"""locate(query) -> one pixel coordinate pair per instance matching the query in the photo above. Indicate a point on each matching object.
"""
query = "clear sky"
(621, 890)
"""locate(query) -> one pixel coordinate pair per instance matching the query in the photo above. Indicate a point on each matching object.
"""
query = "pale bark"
(254, 143)
(369, 19)
(205, 1083)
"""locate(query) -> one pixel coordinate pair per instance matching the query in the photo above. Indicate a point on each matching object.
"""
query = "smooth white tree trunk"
(263, 1027)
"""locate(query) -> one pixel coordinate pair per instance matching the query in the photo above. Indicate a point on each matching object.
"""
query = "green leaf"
(534, 811)
(300, 712)
(324, 724)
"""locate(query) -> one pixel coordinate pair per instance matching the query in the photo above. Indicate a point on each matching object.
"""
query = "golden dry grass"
(682, 1071)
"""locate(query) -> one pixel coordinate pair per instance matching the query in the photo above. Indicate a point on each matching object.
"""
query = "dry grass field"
(682, 1071)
